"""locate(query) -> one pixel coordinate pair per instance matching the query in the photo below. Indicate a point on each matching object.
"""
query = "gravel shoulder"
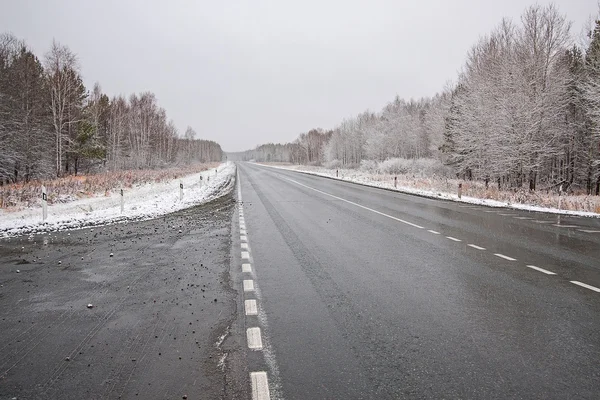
(160, 304)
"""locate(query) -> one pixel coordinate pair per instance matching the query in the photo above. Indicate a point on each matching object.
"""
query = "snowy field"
(387, 182)
(141, 202)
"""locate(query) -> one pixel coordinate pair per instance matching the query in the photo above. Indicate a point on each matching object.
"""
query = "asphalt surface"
(161, 301)
(369, 294)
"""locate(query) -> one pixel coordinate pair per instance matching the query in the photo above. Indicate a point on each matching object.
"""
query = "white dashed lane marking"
(453, 238)
(254, 338)
(260, 386)
(250, 306)
(545, 271)
(588, 231)
(505, 257)
(476, 247)
(565, 226)
(356, 204)
(258, 379)
(523, 218)
(248, 285)
(434, 232)
(585, 285)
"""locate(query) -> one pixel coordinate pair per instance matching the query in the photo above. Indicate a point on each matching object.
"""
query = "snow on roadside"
(363, 178)
(140, 203)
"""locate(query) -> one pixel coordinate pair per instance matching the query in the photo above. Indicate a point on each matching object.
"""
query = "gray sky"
(244, 73)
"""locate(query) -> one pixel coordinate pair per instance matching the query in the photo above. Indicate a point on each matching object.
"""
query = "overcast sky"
(244, 73)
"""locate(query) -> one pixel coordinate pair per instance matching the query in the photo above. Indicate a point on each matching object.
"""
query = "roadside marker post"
(44, 204)
(122, 202)
(560, 189)
(459, 190)
(395, 182)
(200, 180)
(180, 191)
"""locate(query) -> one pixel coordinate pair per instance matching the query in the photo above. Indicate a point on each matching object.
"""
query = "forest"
(51, 125)
(524, 113)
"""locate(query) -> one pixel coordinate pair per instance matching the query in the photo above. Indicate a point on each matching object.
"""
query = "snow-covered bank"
(369, 179)
(140, 203)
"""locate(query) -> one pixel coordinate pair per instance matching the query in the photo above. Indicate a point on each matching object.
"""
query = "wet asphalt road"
(160, 305)
(360, 305)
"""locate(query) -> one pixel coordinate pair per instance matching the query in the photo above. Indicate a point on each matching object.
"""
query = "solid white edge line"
(505, 257)
(434, 232)
(545, 271)
(250, 307)
(585, 285)
(246, 267)
(476, 247)
(453, 238)
(254, 338)
(356, 204)
(245, 255)
(260, 386)
(248, 285)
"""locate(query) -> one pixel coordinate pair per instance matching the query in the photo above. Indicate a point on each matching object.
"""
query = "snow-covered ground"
(140, 203)
(365, 178)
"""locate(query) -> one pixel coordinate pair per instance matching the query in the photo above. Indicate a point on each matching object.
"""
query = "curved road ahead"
(364, 293)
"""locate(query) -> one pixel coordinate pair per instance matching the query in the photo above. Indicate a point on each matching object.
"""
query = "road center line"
(476, 247)
(545, 271)
(505, 257)
(260, 386)
(585, 285)
(356, 204)
(453, 238)
(254, 338)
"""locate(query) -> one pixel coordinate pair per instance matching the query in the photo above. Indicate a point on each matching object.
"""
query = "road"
(161, 300)
(364, 293)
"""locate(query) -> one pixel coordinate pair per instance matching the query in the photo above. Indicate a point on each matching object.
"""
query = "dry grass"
(18, 195)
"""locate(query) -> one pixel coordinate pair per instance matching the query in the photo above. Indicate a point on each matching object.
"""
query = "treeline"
(51, 125)
(524, 113)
